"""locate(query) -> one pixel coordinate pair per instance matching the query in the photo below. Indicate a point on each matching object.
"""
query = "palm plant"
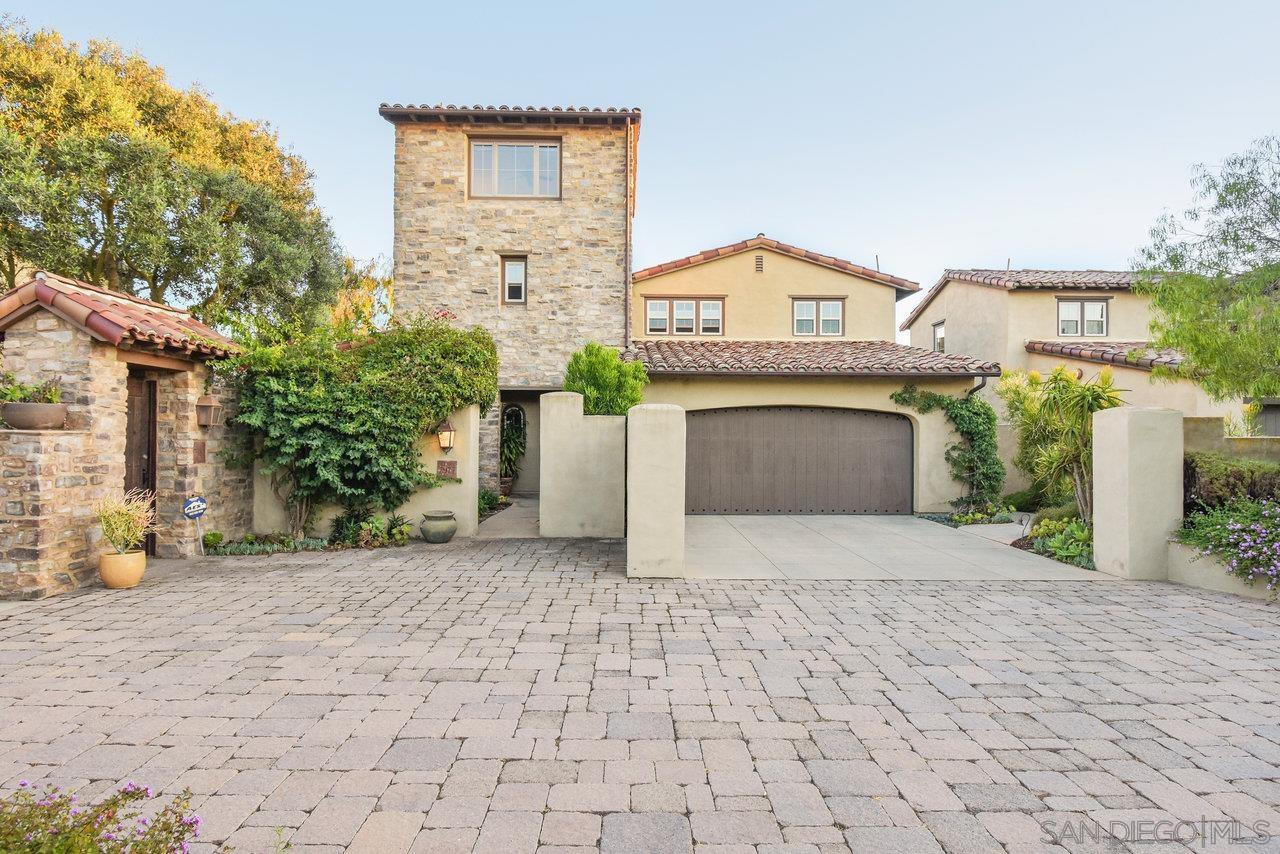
(1053, 417)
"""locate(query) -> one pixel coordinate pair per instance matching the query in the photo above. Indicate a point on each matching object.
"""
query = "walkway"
(857, 548)
(518, 521)
(519, 696)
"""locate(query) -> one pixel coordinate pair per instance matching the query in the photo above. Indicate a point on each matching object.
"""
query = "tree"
(131, 184)
(1053, 419)
(1213, 275)
(608, 385)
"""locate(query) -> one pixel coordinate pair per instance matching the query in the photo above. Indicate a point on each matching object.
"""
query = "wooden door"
(140, 440)
(791, 459)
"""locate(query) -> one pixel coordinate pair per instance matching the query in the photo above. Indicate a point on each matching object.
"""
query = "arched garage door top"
(797, 459)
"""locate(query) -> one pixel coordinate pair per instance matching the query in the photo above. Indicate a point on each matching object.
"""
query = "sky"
(930, 134)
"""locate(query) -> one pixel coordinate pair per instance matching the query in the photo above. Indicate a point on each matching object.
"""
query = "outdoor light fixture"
(208, 411)
(446, 434)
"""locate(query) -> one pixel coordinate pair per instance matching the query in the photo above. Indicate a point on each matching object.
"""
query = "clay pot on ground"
(121, 571)
(34, 416)
(504, 485)
(438, 526)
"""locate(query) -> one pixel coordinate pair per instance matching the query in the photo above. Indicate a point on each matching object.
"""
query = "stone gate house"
(137, 379)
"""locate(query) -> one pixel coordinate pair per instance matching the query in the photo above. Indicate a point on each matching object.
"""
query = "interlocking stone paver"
(525, 696)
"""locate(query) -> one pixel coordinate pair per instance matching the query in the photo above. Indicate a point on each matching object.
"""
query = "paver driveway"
(523, 695)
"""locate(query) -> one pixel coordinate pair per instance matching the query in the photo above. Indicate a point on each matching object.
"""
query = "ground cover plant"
(51, 821)
(1233, 515)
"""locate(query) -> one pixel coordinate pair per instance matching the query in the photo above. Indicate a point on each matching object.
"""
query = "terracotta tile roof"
(1131, 354)
(1016, 280)
(762, 242)
(827, 358)
(115, 317)
(502, 114)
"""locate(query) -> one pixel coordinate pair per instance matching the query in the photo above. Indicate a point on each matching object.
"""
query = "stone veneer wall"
(448, 249)
(228, 488)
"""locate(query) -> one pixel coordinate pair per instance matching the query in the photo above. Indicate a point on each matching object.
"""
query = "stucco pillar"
(583, 475)
(655, 491)
(1137, 490)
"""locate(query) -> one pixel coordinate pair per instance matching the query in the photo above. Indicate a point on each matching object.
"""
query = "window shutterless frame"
(513, 278)
(817, 317)
(546, 166)
(684, 316)
(940, 337)
(1083, 318)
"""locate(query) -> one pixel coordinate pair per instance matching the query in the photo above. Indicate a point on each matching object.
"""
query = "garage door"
(787, 459)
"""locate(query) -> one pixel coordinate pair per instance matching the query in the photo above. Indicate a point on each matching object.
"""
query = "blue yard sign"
(194, 507)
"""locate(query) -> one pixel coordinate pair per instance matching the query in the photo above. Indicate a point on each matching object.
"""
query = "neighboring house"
(1040, 319)
(783, 359)
(517, 219)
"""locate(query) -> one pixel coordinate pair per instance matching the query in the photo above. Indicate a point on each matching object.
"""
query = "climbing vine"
(975, 458)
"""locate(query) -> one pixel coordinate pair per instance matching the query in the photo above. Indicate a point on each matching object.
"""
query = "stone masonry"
(448, 250)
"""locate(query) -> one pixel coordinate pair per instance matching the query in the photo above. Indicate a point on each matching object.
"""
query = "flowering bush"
(52, 821)
(1243, 534)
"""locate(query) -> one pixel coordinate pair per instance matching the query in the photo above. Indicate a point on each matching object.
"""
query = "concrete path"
(518, 521)
(857, 547)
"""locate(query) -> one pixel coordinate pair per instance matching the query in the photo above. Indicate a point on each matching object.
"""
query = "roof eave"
(931, 375)
(396, 113)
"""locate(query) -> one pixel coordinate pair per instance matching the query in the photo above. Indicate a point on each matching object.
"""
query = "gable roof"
(762, 242)
(115, 318)
(504, 115)
(1129, 354)
(791, 358)
(1017, 280)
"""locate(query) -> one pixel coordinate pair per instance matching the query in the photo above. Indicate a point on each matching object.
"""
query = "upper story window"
(515, 271)
(1082, 317)
(678, 316)
(817, 317)
(520, 168)
(940, 337)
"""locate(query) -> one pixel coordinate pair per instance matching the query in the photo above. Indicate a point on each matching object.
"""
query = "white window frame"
(940, 335)
(665, 309)
(823, 305)
(719, 316)
(1080, 309)
(507, 262)
(677, 316)
(796, 318)
(650, 316)
(474, 185)
(817, 306)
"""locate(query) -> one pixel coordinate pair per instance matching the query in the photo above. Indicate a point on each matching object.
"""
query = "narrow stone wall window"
(515, 271)
(520, 169)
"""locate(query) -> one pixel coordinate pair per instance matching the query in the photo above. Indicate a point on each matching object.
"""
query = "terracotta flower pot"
(438, 526)
(121, 571)
(504, 485)
(34, 416)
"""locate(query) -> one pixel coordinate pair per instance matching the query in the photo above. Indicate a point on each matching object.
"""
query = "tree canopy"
(608, 385)
(1213, 274)
(110, 173)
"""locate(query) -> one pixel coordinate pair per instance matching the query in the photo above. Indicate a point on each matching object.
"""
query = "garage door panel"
(798, 460)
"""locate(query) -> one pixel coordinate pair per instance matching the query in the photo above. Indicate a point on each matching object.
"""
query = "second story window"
(817, 317)
(1082, 317)
(940, 337)
(528, 168)
(677, 316)
(515, 271)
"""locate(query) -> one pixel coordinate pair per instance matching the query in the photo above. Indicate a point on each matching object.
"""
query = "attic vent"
(759, 263)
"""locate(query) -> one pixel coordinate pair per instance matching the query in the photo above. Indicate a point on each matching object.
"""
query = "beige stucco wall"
(447, 246)
(655, 491)
(757, 306)
(933, 487)
(462, 498)
(1142, 388)
(1187, 566)
(583, 470)
(1206, 434)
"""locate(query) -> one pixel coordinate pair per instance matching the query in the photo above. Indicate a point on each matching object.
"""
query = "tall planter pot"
(438, 526)
(34, 416)
(122, 571)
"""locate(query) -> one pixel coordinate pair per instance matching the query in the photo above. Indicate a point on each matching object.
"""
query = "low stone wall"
(49, 539)
(1187, 566)
(583, 470)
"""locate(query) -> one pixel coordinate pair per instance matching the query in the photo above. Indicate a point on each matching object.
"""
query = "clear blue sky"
(945, 134)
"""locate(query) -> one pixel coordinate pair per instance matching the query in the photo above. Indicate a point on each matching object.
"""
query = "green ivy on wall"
(975, 459)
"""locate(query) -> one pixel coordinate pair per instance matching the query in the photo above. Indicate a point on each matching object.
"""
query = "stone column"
(177, 474)
(490, 436)
(655, 491)
(1137, 490)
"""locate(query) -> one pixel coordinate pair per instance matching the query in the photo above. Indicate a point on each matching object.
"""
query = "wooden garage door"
(788, 459)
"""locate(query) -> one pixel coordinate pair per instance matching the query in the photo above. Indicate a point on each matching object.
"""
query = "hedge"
(1212, 480)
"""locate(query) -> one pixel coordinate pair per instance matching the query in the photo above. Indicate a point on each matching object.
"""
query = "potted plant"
(438, 526)
(31, 407)
(511, 447)
(125, 524)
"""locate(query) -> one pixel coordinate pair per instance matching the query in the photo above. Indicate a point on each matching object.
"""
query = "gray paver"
(646, 833)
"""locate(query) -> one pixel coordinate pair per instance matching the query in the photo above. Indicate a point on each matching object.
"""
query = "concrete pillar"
(1137, 490)
(655, 491)
(583, 470)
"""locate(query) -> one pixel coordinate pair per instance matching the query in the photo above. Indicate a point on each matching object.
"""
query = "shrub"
(1243, 534)
(12, 391)
(52, 822)
(127, 521)
(488, 501)
(975, 459)
(346, 528)
(991, 514)
(1212, 480)
(608, 385)
(1025, 500)
(251, 545)
(1059, 512)
(514, 441)
(1070, 542)
(212, 540)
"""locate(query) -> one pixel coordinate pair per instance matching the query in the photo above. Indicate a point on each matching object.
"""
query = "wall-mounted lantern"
(208, 411)
(447, 435)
